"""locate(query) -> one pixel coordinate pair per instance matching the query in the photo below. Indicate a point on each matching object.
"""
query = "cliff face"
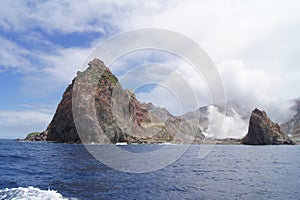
(62, 127)
(103, 113)
(263, 131)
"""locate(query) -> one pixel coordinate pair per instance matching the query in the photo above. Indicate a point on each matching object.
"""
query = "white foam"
(121, 143)
(30, 193)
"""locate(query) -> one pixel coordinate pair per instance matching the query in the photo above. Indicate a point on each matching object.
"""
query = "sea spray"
(31, 193)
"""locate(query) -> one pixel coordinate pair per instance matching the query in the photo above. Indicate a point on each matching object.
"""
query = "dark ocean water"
(58, 171)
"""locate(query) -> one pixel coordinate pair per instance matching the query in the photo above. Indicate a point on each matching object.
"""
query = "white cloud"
(42, 72)
(182, 89)
(17, 124)
(225, 29)
(255, 45)
(68, 16)
(51, 16)
(256, 88)
(12, 55)
(63, 65)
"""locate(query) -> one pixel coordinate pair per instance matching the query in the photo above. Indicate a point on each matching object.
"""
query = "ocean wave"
(30, 193)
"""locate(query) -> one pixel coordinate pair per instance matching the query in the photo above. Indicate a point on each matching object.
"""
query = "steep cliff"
(95, 108)
(263, 131)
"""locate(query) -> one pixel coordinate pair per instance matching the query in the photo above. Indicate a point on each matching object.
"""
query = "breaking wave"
(31, 193)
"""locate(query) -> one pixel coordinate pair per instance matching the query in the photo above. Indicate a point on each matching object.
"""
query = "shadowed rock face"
(262, 131)
(96, 96)
(62, 127)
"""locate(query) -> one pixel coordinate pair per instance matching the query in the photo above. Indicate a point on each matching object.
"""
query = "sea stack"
(96, 106)
(262, 131)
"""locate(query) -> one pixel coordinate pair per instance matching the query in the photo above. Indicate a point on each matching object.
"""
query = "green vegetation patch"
(33, 134)
(106, 77)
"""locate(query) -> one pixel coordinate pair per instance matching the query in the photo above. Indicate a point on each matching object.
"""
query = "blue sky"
(254, 44)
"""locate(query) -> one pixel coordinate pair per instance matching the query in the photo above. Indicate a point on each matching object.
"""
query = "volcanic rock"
(95, 109)
(35, 136)
(262, 131)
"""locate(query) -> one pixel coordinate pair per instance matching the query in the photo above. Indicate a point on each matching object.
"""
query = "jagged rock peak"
(96, 66)
(261, 113)
(96, 63)
(263, 131)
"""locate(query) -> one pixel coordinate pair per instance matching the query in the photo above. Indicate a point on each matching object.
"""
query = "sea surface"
(67, 171)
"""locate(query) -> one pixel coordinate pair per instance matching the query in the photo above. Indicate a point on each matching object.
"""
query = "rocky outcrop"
(95, 108)
(35, 136)
(199, 117)
(262, 131)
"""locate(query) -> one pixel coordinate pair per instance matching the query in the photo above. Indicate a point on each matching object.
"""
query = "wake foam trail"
(30, 193)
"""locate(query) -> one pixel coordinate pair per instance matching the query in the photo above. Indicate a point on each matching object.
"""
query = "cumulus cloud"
(184, 89)
(254, 45)
(256, 88)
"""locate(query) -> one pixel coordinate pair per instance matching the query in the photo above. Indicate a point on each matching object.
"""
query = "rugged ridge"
(262, 131)
(96, 96)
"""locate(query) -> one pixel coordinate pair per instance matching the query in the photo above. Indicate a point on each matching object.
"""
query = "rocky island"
(263, 131)
(96, 96)
(128, 120)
